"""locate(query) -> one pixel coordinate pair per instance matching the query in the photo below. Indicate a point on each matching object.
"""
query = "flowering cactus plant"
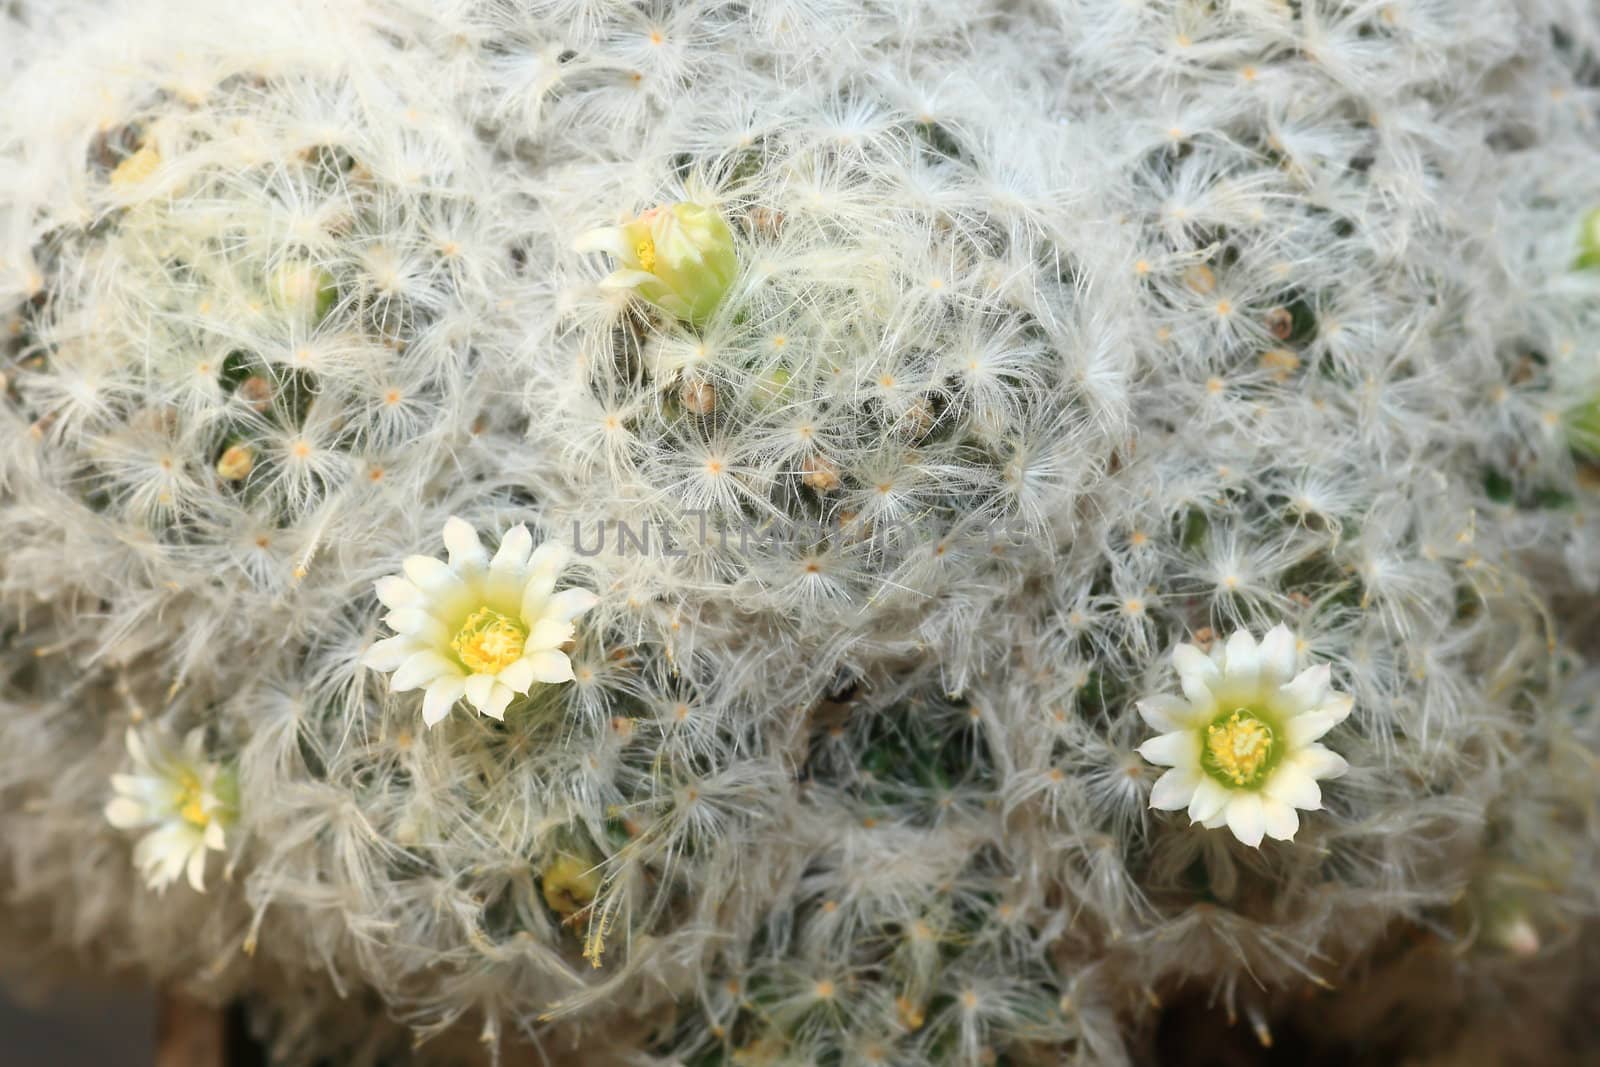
(820, 538)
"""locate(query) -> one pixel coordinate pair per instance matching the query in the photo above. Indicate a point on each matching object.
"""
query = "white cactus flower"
(486, 629)
(1242, 740)
(183, 799)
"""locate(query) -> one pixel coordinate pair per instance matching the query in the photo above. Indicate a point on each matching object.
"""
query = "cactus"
(885, 420)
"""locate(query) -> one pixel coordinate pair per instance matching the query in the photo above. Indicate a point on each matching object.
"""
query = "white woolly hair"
(1063, 332)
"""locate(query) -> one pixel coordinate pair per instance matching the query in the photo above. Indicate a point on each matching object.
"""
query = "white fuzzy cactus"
(901, 383)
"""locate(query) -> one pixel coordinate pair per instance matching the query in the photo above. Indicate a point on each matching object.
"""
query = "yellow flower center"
(645, 250)
(1238, 748)
(191, 800)
(488, 642)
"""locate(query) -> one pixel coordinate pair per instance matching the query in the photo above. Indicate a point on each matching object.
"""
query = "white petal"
(1310, 725)
(414, 622)
(1280, 818)
(1197, 673)
(1190, 660)
(1209, 798)
(627, 279)
(197, 870)
(1278, 655)
(125, 813)
(130, 784)
(1174, 789)
(517, 677)
(1242, 659)
(1246, 818)
(512, 555)
(1308, 688)
(430, 575)
(395, 592)
(605, 239)
(389, 653)
(569, 604)
(215, 838)
(551, 668)
(1181, 748)
(1292, 785)
(1218, 820)
(441, 697)
(420, 669)
(466, 551)
(499, 699)
(536, 595)
(549, 559)
(135, 745)
(477, 688)
(1163, 714)
(547, 633)
(1320, 762)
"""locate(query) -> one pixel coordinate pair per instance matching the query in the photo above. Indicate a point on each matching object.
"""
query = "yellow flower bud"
(570, 885)
(679, 257)
(236, 463)
(137, 167)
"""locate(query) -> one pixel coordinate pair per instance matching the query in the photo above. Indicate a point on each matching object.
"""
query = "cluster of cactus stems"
(810, 532)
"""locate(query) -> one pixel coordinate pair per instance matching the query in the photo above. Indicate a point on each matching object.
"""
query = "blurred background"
(111, 1028)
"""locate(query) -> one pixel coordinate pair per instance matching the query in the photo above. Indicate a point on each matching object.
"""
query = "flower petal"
(417, 623)
(604, 239)
(1181, 748)
(518, 677)
(499, 700)
(549, 558)
(1320, 762)
(1164, 714)
(1209, 798)
(395, 592)
(1290, 784)
(430, 575)
(1281, 820)
(569, 604)
(466, 551)
(1246, 815)
(1242, 660)
(512, 555)
(197, 870)
(1197, 674)
(627, 278)
(441, 697)
(389, 653)
(1188, 659)
(478, 689)
(1307, 689)
(547, 633)
(1310, 725)
(552, 668)
(125, 813)
(420, 669)
(1278, 649)
(135, 745)
(1174, 789)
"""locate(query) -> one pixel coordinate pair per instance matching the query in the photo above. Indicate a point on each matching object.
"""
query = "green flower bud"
(303, 289)
(1589, 241)
(679, 258)
(1583, 428)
